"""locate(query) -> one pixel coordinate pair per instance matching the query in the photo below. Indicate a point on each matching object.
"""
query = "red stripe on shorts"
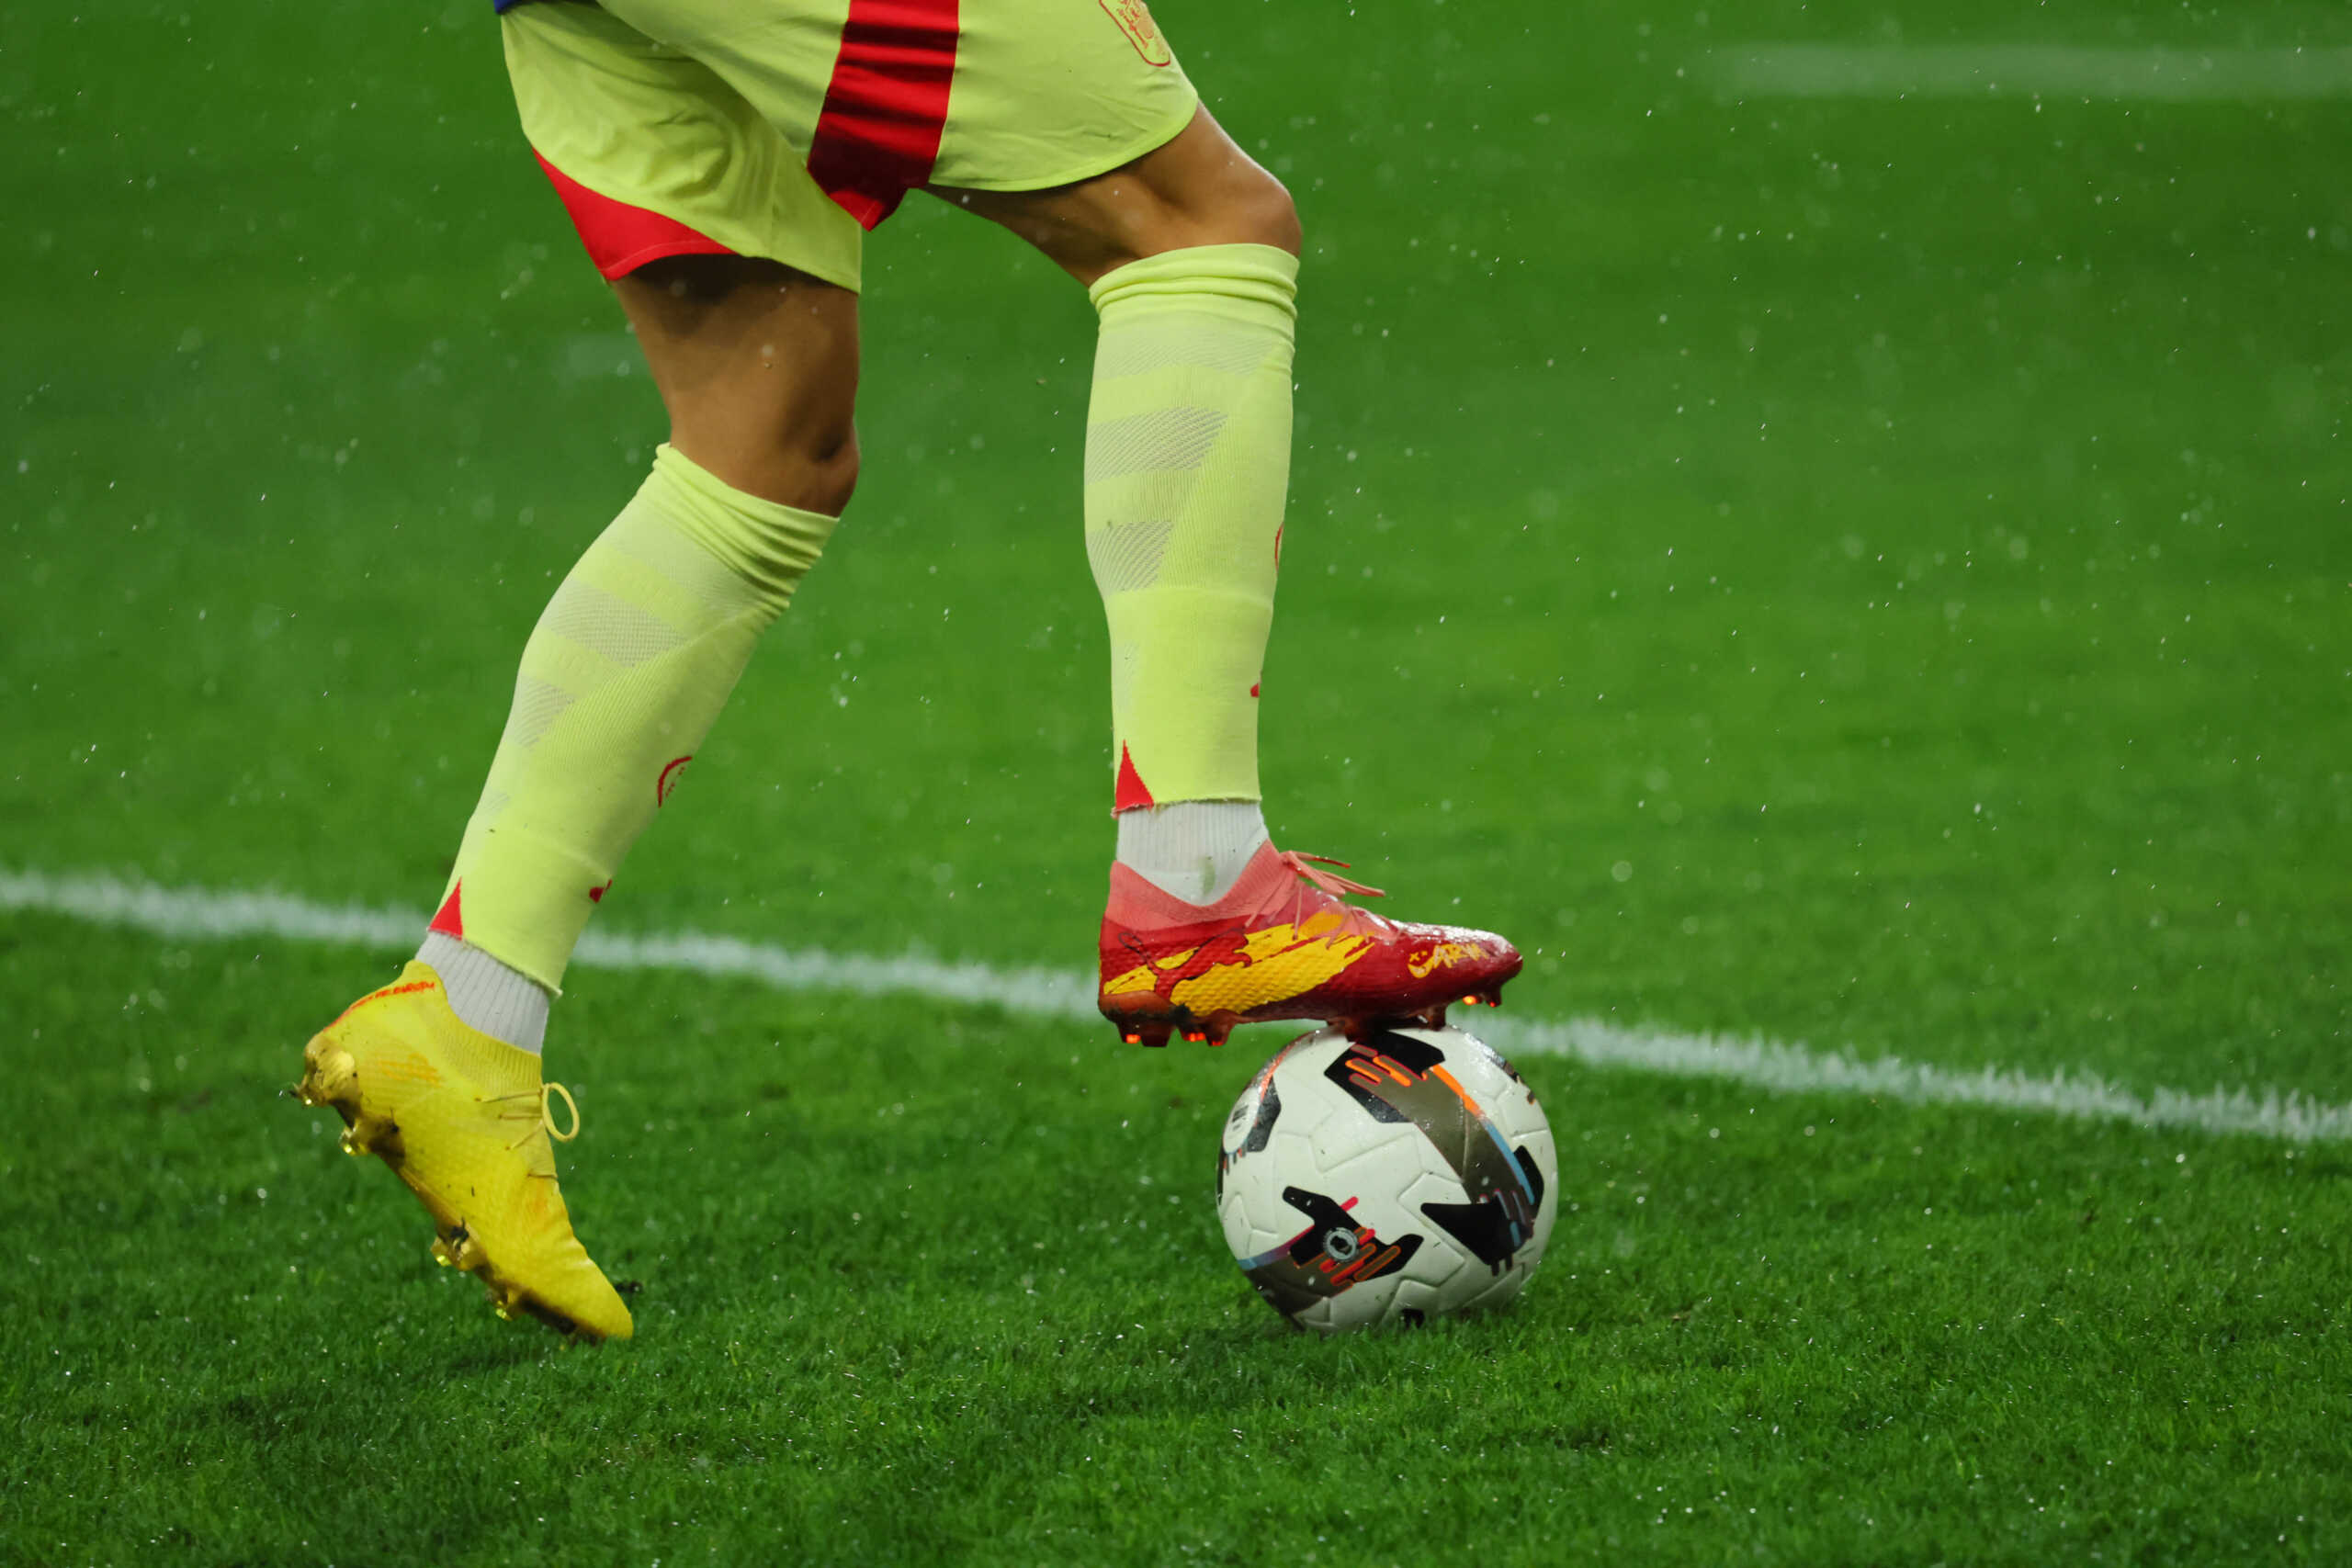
(621, 238)
(878, 135)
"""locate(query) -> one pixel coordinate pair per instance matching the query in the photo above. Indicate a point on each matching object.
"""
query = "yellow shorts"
(785, 129)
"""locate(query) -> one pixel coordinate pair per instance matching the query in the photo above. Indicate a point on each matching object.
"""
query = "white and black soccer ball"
(1388, 1179)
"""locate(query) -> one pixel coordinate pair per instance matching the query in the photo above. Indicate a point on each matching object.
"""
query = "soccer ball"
(1387, 1178)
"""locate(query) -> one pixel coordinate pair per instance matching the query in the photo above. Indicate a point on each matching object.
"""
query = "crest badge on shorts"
(1134, 20)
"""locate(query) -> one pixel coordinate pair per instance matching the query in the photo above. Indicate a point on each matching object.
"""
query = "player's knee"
(811, 467)
(1240, 205)
(831, 474)
(1261, 212)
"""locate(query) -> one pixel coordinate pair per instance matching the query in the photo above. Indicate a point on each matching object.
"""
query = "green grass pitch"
(1866, 572)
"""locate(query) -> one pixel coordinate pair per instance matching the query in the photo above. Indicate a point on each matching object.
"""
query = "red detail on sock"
(451, 920)
(621, 238)
(1253, 688)
(671, 773)
(878, 135)
(1278, 542)
(1131, 792)
(596, 895)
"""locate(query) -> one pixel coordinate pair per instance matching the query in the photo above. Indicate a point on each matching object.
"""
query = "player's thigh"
(1081, 132)
(1199, 189)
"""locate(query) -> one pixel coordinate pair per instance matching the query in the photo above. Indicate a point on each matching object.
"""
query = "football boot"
(465, 1122)
(1281, 943)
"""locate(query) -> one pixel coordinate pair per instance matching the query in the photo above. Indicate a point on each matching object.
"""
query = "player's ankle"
(1194, 850)
(486, 994)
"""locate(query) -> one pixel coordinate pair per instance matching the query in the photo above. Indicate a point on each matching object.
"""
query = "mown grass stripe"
(2029, 70)
(219, 914)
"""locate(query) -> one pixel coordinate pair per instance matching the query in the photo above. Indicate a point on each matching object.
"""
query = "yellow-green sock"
(1187, 469)
(620, 681)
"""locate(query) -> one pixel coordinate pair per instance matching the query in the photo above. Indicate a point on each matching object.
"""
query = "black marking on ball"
(1493, 1227)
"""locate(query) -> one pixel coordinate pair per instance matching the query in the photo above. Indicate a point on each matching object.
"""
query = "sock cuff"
(1193, 850)
(503, 1003)
(769, 546)
(1255, 282)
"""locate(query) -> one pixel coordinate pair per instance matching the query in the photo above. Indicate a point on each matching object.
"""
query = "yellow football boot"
(465, 1121)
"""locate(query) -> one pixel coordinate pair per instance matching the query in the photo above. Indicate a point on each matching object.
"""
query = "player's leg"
(677, 191)
(1190, 253)
(641, 645)
(623, 676)
(626, 670)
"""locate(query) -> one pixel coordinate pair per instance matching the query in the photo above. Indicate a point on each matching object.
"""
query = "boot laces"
(1324, 881)
(540, 1113)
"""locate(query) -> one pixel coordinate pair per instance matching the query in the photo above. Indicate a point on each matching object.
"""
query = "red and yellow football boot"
(1282, 945)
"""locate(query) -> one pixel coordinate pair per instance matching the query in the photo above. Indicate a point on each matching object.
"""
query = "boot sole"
(1155, 1028)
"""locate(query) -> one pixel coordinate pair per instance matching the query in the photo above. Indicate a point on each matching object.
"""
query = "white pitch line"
(2028, 71)
(214, 915)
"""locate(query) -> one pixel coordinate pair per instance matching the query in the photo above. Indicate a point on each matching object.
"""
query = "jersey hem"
(1151, 142)
(698, 240)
